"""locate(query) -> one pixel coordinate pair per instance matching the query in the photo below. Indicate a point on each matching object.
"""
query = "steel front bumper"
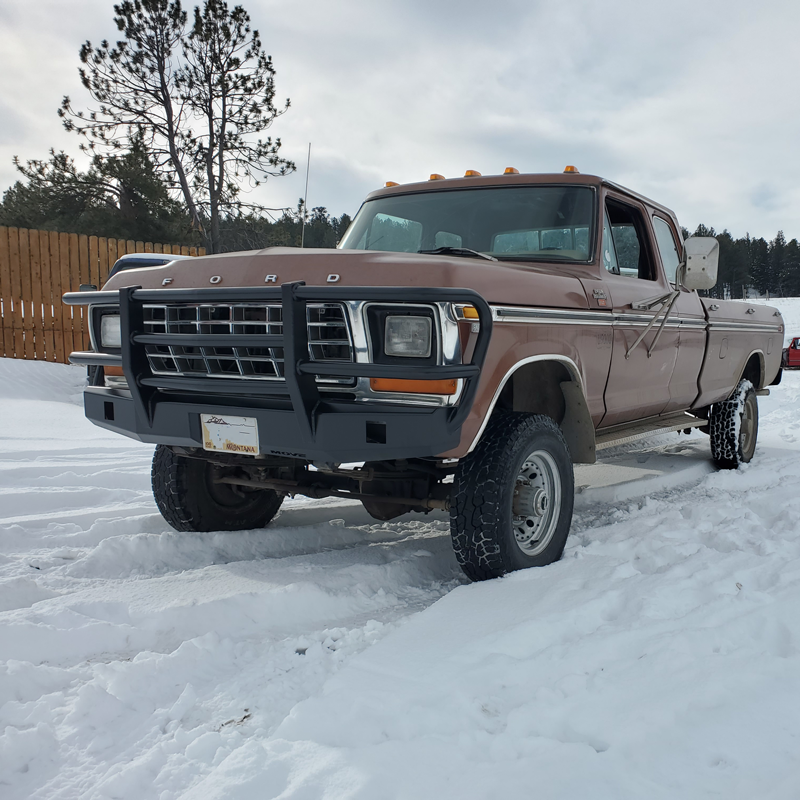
(343, 431)
(293, 418)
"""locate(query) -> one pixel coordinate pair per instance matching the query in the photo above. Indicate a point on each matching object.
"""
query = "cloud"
(690, 103)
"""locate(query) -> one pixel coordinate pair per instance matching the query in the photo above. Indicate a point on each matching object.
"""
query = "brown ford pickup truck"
(465, 344)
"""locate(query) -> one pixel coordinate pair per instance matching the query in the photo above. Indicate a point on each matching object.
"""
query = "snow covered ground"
(330, 656)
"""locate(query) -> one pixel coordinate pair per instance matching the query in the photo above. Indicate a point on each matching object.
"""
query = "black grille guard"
(300, 383)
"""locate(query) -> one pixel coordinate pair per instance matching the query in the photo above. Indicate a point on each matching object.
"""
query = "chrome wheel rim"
(536, 502)
(748, 427)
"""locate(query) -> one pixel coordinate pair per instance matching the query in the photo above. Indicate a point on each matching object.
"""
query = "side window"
(667, 248)
(609, 253)
(627, 233)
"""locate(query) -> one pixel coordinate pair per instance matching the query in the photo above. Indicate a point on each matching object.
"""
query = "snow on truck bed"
(331, 656)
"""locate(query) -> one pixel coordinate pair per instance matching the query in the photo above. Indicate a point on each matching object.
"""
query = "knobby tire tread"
(478, 492)
(726, 451)
(182, 498)
(166, 481)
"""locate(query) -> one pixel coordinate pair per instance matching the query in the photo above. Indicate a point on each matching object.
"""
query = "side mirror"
(702, 262)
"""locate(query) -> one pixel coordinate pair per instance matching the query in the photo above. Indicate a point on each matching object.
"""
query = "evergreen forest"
(123, 197)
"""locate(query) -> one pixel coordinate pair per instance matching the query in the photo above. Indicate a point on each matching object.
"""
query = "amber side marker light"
(571, 169)
(511, 171)
(391, 183)
(470, 312)
(413, 387)
(435, 176)
(472, 173)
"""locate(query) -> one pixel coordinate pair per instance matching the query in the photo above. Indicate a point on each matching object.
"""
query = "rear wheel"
(733, 427)
(512, 497)
(190, 499)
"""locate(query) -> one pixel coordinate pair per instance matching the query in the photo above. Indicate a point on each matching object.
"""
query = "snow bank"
(790, 310)
(42, 381)
(332, 656)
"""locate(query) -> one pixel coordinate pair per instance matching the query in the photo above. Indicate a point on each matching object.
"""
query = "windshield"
(509, 222)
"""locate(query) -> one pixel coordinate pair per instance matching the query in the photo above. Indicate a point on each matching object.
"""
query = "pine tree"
(760, 266)
(198, 96)
(790, 279)
(777, 254)
(120, 196)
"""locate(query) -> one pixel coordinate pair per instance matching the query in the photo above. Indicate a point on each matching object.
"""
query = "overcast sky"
(695, 104)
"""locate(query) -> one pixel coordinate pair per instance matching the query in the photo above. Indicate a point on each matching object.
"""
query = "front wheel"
(733, 427)
(512, 498)
(191, 499)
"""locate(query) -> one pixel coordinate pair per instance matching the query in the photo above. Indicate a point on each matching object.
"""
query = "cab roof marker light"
(511, 171)
(570, 168)
(435, 176)
(472, 173)
(390, 183)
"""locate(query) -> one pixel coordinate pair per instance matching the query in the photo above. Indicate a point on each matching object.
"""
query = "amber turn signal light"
(412, 386)
(511, 171)
(571, 169)
(472, 173)
(391, 183)
(115, 372)
(435, 176)
(470, 312)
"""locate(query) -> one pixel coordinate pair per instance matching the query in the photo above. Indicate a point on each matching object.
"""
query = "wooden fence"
(36, 268)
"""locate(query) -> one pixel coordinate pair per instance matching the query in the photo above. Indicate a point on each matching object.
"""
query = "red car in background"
(791, 354)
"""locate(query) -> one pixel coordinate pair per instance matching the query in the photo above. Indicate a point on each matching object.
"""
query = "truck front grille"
(329, 339)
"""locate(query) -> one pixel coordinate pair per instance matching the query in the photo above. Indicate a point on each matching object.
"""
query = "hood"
(552, 285)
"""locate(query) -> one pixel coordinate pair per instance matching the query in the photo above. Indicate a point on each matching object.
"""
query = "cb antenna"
(305, 199)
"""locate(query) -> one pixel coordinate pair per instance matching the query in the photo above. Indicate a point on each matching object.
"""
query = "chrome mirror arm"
(667, 301)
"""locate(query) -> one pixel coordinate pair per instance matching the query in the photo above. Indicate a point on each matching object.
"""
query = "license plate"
(230, 434)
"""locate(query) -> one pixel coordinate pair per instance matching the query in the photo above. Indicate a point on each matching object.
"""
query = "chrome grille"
(329, 339)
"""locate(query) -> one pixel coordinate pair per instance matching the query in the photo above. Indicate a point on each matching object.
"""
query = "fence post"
(47, 298)
(16, 292)
(56, 288)
(37, 306)
(6, 331)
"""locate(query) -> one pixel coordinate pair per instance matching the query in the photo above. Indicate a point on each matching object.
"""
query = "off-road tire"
(190, 500)
(733, 427)
(481, 508)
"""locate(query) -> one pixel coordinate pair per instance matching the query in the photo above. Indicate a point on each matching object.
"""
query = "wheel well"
(553, 389)
(754, 370)
(536, 389)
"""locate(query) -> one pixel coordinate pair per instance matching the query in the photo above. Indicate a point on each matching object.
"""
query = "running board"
(631, 431)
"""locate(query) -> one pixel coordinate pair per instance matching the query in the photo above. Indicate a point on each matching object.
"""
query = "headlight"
(407, 336)
(110, 335)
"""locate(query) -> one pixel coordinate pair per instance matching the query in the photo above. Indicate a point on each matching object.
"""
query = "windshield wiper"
(457, 251)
